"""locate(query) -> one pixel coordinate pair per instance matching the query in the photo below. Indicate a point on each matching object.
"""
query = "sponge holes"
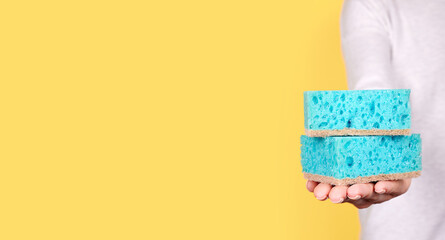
(349, 161)
(403, 118)
(383, 142)
(315, 100)
(319, 98)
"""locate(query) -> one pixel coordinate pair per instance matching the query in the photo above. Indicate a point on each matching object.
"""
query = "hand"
(360, 195)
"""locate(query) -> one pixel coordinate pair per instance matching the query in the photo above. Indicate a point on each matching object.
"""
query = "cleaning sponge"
(358, 112)
(360, 159)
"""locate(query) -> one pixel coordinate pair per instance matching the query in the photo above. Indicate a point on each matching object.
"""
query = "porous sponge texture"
(352, 157)
(357, 109)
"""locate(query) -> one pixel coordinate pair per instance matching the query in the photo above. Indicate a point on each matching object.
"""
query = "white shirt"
(401, 44)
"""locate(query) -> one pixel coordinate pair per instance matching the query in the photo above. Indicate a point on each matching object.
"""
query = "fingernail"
(338, 201)
(357, 197)
(320, 198)
(381, 191)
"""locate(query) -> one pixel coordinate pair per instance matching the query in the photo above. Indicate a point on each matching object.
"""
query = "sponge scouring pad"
(357, 112)
(349, 160)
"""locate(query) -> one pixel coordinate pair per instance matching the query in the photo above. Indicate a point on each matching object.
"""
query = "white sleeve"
(366, 44)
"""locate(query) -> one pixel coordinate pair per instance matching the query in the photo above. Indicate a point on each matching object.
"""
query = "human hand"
(360, 195)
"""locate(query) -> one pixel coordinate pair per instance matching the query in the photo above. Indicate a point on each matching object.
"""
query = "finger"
(394, 188)
(338, 194)
(366, 192)
(361, 190)
(360, 204)
(373, 198)
(310, 185)
(321, 191)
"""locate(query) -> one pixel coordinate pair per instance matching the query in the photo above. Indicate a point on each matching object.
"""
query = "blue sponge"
(357, 112)
(349, 160)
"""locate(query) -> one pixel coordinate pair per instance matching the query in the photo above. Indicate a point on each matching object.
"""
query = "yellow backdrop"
(163, 119)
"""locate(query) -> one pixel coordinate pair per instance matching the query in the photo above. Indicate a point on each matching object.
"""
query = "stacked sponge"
(359, 136)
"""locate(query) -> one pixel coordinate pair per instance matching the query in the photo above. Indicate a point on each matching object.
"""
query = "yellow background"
(163, 119)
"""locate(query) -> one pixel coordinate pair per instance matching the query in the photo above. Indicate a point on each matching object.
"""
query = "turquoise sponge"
(348, 160)
(357, 112)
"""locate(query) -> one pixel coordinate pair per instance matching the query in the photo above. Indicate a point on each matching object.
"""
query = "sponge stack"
(359, 136)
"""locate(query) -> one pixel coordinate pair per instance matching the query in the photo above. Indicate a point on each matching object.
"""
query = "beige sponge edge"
(355, 132)
(349, 181)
